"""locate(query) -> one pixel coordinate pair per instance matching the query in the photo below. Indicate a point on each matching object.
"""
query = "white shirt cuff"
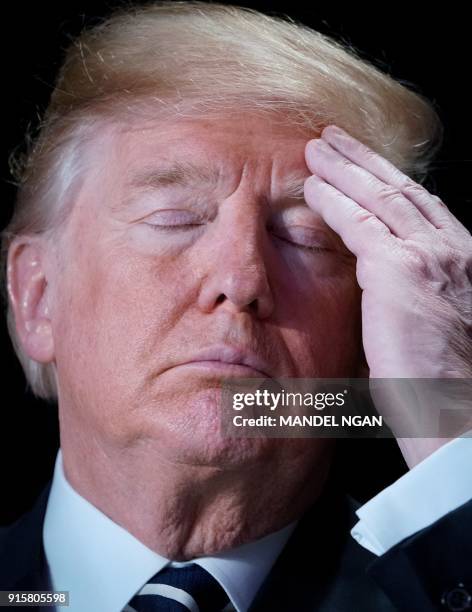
(437, 485)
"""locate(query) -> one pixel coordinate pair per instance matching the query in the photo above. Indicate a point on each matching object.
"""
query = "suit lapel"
(22, 561)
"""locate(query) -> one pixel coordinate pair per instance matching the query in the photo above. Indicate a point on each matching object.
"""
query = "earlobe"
(29, 296)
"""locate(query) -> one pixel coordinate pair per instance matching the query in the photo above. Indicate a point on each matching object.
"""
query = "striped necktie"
(182, 589)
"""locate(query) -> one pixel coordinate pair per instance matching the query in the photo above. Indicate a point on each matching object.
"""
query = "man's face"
(169, 277)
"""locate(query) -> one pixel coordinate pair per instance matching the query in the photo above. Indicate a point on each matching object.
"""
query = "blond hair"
(186, 58)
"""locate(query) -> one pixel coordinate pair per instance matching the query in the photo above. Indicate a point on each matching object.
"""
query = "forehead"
(246, 131)
(212, 149)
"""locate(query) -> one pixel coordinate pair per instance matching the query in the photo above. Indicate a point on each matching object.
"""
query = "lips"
(226, 354)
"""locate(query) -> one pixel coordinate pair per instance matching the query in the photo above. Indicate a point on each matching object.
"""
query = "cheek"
(324, 324)
(335, 308)
(116, 314)
(128, 302)
(324, 290)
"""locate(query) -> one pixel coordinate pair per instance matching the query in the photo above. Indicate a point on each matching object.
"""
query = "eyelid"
(171, 217)
(303, 236)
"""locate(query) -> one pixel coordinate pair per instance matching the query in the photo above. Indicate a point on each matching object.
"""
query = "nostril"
(220, 299)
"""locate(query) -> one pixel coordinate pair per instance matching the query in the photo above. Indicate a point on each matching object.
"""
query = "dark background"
(431, 51)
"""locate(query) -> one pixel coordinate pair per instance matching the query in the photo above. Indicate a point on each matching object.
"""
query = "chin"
(226, 453)
(194, 433)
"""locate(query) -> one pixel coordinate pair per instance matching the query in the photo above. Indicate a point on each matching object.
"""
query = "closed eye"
(174, 220)
(313, 249)
(174, 228)
(302, 237)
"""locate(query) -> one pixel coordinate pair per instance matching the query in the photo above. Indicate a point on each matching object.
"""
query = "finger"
(357, 183)
(431, 206)
(360, 230)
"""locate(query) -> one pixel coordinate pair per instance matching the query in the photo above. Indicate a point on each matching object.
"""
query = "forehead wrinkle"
(186, 173)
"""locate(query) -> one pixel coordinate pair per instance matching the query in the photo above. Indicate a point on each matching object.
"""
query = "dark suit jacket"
(321, 568)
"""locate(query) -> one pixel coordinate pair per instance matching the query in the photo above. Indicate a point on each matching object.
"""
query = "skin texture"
(120, 305)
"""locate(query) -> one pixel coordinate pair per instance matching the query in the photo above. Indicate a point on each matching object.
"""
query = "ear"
(28, 292)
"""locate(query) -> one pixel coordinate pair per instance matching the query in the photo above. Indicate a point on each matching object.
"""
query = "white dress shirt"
(435, 486)
(103, 566)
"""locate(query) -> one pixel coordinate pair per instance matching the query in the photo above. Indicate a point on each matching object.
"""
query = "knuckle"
(417, 191)
(414, 189)
(420, 262)
(390, 194)
(450, 258)
(438, 200)
(440, 262)
(455, 263)
(361, 215)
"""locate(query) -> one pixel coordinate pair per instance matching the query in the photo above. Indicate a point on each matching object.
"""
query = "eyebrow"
(182, 173)
(187, 173)
(294, 185)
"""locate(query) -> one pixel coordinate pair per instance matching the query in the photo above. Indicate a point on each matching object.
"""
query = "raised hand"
(414, 259)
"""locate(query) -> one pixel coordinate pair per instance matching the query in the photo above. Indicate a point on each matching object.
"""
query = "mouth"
(228, 370)
(229, 361)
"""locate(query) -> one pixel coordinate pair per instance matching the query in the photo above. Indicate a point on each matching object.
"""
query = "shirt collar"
(102, 565)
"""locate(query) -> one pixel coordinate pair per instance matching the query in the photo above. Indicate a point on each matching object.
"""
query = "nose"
(237, 278)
